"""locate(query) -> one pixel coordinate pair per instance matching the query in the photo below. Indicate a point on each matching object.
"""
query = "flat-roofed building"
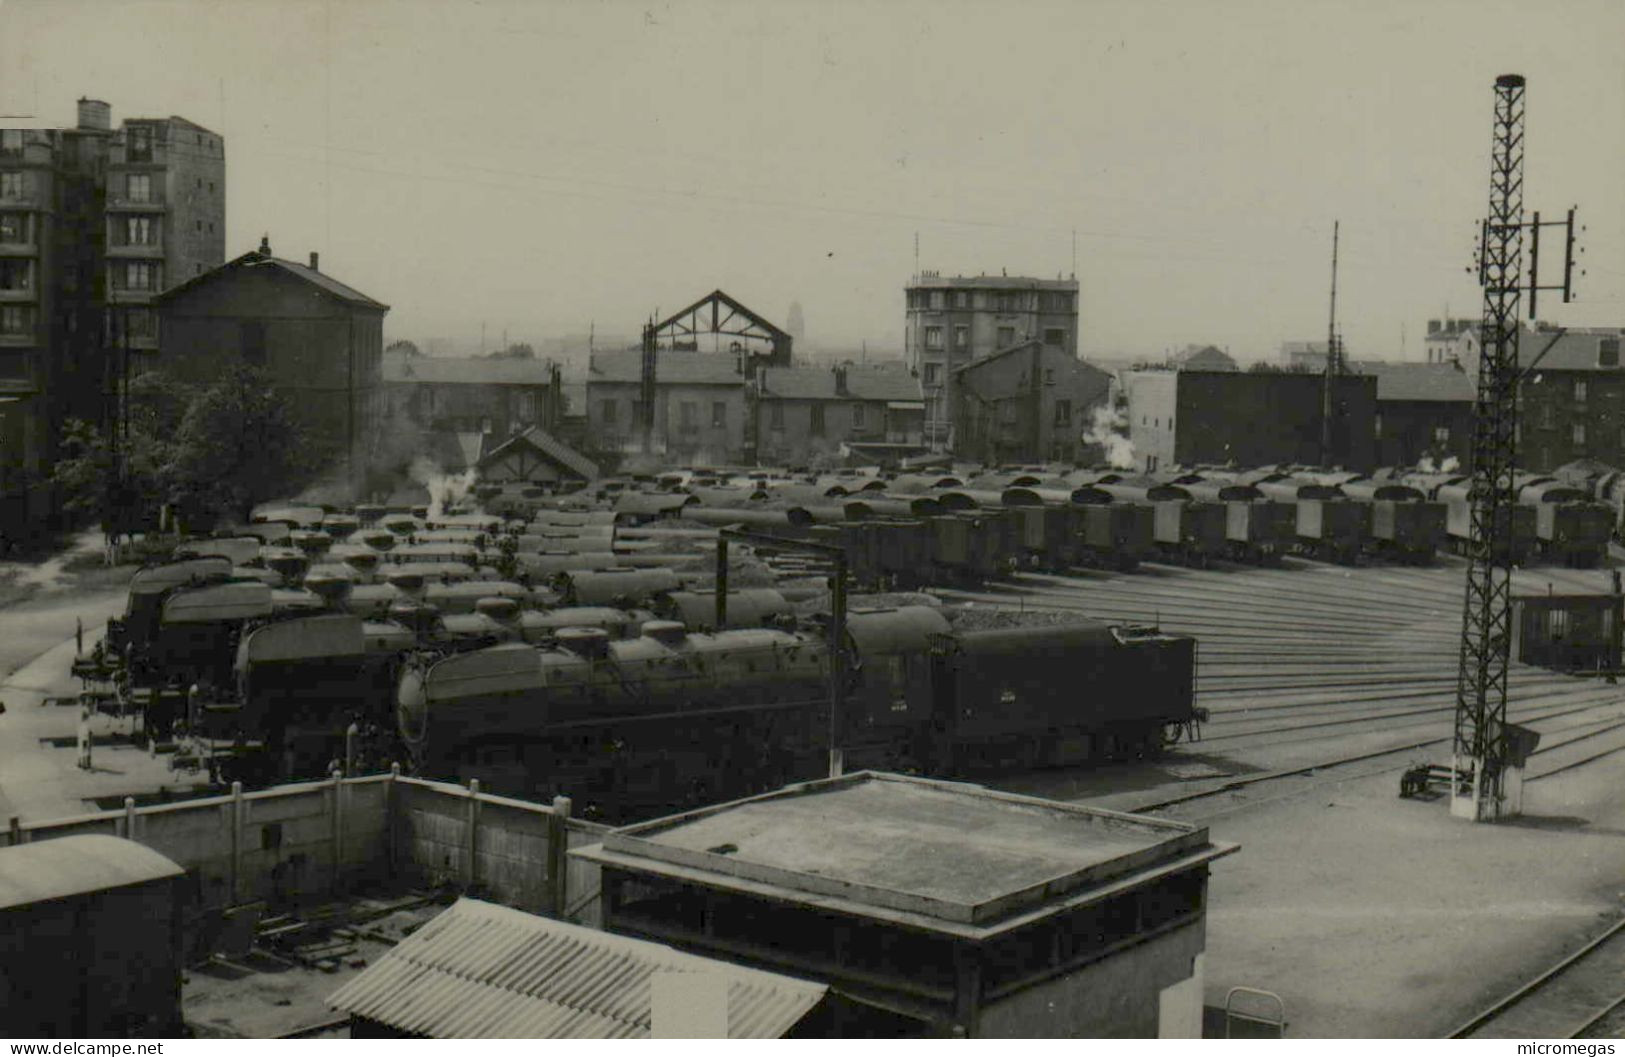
(960, 908)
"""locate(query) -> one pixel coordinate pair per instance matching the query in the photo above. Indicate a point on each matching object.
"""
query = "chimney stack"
(265, 244)
(840, 380)
(314, 259)
(95, 115)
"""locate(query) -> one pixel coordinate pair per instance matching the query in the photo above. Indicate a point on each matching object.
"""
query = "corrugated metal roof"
(485, 971)
(671, 368)
(70, 866)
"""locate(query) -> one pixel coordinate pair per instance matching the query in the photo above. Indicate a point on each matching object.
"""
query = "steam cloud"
(1106, 429)
(1449, 465)
(444, 489)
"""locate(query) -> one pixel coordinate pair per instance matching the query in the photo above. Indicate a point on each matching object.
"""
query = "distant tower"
(793, 323)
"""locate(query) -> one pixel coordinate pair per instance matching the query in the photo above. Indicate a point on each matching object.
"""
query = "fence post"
(129, 818)
(392, 807)
(236, 841)
(470, 870)
(337, 784)
(558, 861)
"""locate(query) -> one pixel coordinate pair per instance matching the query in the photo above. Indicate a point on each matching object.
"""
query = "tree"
(404, 347)
(123, 488)
(519, 350)
(237, 445)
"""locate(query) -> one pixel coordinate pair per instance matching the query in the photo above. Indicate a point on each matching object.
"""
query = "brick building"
(1029, 403)
(93, 222)
(1251, 418)
(804, 414)
(320, 341)
(951, 322)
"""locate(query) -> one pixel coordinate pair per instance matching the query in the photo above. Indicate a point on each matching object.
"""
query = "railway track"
(1305, 667)
(1582, 996)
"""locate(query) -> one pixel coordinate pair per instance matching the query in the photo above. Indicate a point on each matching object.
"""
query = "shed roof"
(548, 445)
(671, 368)
(254, 259)
(817, 383)
(480, 970)
(69, 866)
(939, 855)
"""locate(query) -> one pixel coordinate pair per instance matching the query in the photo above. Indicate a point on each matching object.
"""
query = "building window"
(13, 227)
(933, 337)
(961, 337)
(1049, 376)
(16, 320)
(1054, 336)
(11, 141)
(140, 231)
(485, 425)
(686, 412)
(932, 373)
(1608, 352)
(1376, 426)
(817, 427)
(606, 412)
(719, 415)
(140, 143)
(775, 416)
(13, 185)
(1441, 435)
(138, 187)
(1063, 412)
(936, 300)
(1548, 416)
(140, 275)
(857, 416)
(961, 299)
(252, 333)
(1557, 623)
(1579, 434)
(16, 275)
(1007, 337)
(1579, 391)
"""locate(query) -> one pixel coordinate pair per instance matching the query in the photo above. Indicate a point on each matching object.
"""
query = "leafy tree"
(88, 468)
(408, 348)
(517, 351)
(237, 445)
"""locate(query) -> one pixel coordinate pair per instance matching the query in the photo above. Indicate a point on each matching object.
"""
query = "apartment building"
(94, 221)
(951, 322)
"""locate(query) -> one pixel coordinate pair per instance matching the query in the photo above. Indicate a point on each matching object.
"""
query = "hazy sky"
(539, 165)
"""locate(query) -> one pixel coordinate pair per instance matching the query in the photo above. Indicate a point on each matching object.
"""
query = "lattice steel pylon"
(1479, 789)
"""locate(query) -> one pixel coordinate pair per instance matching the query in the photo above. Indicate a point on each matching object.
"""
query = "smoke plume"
(1107, 430)
(444, 489)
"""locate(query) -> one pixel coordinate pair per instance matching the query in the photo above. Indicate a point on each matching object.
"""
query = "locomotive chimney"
(315, 259)
(590, 643)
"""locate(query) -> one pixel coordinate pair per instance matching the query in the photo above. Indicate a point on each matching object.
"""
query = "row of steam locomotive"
(268, 658)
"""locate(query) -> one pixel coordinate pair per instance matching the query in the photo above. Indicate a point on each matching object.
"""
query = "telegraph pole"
(1334, 367)
(1487, 775)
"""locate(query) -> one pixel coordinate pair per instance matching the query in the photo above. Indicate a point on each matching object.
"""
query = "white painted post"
(129, 818)
(471, 870)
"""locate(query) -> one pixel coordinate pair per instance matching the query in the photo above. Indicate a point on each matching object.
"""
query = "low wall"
(316, 841)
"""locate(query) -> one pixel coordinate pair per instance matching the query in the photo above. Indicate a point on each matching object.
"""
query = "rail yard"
(1233, 688)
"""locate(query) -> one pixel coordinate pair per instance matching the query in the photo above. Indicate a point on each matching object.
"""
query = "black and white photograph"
(811, 519)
